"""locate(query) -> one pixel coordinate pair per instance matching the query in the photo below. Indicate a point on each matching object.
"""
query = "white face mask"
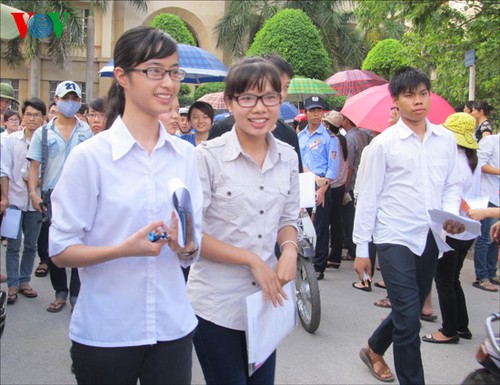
(68, 108)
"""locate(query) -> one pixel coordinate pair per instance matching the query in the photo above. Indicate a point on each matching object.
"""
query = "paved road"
(34, 347)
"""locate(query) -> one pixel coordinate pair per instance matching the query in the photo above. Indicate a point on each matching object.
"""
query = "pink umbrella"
(371, 108)
(215, 99)
(352, 82)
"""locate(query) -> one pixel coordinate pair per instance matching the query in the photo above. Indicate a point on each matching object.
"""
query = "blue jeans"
(408, 278)
(486, 251)
(222, 353)
(29, 225)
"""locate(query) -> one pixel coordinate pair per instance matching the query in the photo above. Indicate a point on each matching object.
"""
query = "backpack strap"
(45, 152)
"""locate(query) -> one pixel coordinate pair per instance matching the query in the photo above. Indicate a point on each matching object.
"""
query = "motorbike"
(306, 284)
(488, 355)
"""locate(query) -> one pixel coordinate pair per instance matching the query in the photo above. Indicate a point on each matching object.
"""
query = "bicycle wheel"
(307, 293)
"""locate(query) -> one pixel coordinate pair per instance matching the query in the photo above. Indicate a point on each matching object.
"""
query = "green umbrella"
(9, 29)
(301, 88)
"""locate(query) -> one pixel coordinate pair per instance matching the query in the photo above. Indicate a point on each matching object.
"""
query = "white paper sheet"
(439, 217)
(267, 326)
(10, 223)
(307, 182)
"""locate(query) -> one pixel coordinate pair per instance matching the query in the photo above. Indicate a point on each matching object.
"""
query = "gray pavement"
(35, 344)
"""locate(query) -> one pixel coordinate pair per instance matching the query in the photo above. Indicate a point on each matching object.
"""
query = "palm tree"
(29, 49)
(237, 28)
(141, 5)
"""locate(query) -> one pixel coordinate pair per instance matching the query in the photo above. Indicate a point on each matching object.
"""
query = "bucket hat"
(463, 126)
(7, 92)
(335, 118)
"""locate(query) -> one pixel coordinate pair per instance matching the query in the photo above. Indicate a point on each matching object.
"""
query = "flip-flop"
(365, 357)
(28, 292)
(42, 270)
(428, 317)
(11, 298)
(378, 284)
(364, 288)
(385, 303)
(56, 306)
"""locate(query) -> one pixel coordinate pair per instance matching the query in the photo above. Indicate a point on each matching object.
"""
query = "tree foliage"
(291, 34)
(440, 34)
(386, 57)
(175, 27)
(208, 88)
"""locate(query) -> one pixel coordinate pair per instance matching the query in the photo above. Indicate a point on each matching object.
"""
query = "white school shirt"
(489, 153)
(403, 178)
(14, 166)
(110, 188)
(244, 206)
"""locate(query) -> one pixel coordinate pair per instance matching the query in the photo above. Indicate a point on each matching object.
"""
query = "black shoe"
(320, 275)
(466, 335)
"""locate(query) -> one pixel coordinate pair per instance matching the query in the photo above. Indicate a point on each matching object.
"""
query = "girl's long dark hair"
(471, 157)
(134, 47)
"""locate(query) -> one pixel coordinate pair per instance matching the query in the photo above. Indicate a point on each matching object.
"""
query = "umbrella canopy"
(215, 99)
(352, 82)
(371, 108)
(301, 88)
(288, 111)
(9, 29)
(200, 66)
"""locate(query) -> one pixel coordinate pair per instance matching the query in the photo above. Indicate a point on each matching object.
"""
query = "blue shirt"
(319, 152)
(58, 149)
(189, 138)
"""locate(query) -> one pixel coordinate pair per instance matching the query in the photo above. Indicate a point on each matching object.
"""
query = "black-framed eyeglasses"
(249, 100)
(11, 120)
(27, 115)
(158, 73)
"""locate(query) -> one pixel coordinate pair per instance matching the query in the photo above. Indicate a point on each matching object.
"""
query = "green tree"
(175, 27)
(386, 57)
(236, 30)
(440, 33)
(291, 34)
(184, 96)
(208, 88)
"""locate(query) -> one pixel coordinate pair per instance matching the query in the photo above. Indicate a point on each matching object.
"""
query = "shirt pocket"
(229, 201)
(439, 171)
(52, 148)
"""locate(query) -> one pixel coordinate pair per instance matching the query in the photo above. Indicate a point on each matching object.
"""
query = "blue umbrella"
(288, 111)
(201, 66)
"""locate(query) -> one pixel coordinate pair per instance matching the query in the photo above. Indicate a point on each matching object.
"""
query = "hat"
(314, 102)
(67, 87)
(463, 126)
(183, 111)
(300, 118)
(334, 118)
(7, 92)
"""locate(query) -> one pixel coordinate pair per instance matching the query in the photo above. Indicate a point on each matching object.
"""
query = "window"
(53, 86)
(15, 84)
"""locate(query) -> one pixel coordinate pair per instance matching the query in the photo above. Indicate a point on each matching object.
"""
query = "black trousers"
(336, 224)
(322, 227)
(451, 296)
(168, 362)
(43, 243)
(349, 211)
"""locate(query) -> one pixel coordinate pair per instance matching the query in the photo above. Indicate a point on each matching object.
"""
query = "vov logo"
(40, 25)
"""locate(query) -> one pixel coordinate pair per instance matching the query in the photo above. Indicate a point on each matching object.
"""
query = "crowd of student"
(96, 177)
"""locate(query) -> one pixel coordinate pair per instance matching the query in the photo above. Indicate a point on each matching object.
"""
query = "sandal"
(12, 296)
(360, 286)
(28, 292)
(383, 373)
(380, 284)
(486, 285)
(385, 303)
(42, 270)
(56, 306)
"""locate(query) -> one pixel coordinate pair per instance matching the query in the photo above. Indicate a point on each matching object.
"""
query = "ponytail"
(115, 104)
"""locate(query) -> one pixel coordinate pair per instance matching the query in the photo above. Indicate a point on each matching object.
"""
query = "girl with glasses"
(133, 320)
(12, 121)
(245, 173)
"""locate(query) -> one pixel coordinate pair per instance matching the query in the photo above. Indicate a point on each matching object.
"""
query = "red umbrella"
(371, 108)
(352, 82)
(215, 99)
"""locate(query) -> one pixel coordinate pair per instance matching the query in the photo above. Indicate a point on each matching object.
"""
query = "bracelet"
(289, 241)
(189, 253)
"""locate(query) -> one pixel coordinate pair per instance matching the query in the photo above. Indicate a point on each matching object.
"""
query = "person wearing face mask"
(47, 154)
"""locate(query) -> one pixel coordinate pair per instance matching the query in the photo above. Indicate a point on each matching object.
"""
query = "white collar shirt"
(244, 206)
(404, 177)
(14, 166)
(110, 188)
(489, 153)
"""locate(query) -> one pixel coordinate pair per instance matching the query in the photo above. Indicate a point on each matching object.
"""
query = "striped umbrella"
(301, 88)
(351, 82)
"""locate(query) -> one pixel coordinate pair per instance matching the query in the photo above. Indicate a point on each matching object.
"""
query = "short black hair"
(35, 103)
(204, 107)
(83, 109)
(408, 79)
(9, 114)
(283, 67)
(482, 105)
(98, 104)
